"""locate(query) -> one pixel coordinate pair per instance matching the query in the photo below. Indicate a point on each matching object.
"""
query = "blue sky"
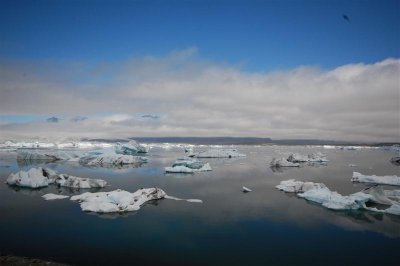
(258, 35)
(280, 69)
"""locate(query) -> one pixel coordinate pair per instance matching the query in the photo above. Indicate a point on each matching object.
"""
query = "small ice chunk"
(52, 196)
(353, 165)
(277, 163)
(246, 189)
(383, 180)
(188, 200)
(395, 161)
(179, 169)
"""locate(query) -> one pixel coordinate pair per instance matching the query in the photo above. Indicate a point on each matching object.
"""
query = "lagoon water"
(263, 227)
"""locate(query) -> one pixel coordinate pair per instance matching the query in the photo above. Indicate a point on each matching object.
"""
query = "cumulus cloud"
(195, 97)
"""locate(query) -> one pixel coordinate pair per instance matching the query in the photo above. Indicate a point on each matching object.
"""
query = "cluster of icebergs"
(294, 160)
(319, 193)
(54, 145)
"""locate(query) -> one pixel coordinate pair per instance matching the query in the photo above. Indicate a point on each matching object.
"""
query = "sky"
(280, 69)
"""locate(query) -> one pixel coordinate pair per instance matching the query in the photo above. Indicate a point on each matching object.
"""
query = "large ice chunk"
(42, 177)
(109, 160)
(46, 155)
(383, 180)
(33, 178)
(218, 153)
(188, 166)
(319, 193)
(130, 148)
(117, 200)
(294, 186)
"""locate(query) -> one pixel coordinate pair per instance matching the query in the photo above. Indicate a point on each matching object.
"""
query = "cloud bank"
(189, 96)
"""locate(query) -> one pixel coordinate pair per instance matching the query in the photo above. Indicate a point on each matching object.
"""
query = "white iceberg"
(188, 166)
(312, 158)
(130, 148)
(121, 200)
(277, 163)
(34, 178)
(319, 193)
(383, 180)
(42, 177)
(218, 153)
(52, 196)
(117, 200)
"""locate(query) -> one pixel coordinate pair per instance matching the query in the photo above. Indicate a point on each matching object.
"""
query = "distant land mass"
(237, 141)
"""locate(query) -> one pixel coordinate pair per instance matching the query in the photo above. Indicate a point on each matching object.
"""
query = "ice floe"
(188, 166)
(52, 196)
(283, 162)
(130, 148)
(45, 155)
(42, 177)
(319, 193)
(383, 180)
(120, 200)
(218, 153)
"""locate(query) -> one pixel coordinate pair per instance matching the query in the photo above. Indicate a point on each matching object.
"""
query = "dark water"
(264, 227)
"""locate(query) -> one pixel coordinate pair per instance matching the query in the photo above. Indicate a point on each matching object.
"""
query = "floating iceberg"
(52, 196)
(109, 159)
(130, 148)
(294, 186)
(277, 163)
(188, 166)
(42, 177)
(121, 200)
(383, 180)
(319, 193)
(353, 165)
(34, 178)
(218, 153)
(312, 158)
(46, 155)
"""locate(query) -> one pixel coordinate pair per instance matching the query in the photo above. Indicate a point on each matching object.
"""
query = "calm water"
(264, 227)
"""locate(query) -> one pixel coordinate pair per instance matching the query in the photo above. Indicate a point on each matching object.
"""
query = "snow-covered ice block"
(130, 148)
(218, 153)
(383, 180)
(33, 178)
(294, 186)
(117, 200)
(283, 163)
(52, 196)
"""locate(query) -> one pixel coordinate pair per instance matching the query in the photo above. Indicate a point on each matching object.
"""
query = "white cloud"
(359, 102)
